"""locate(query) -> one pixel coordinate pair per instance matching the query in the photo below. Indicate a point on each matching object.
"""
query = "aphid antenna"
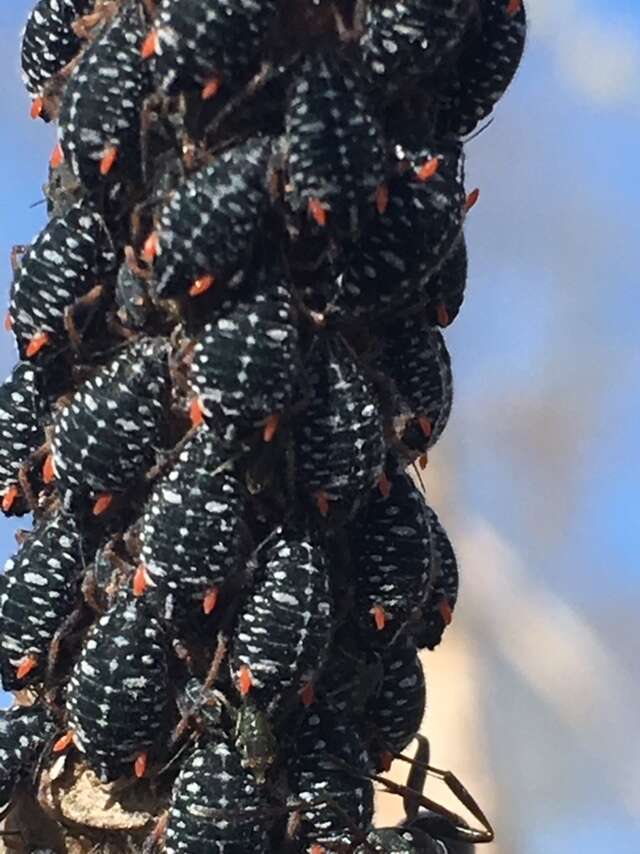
(416, 470)
(37, 204)
(476, 133)
(257, 82)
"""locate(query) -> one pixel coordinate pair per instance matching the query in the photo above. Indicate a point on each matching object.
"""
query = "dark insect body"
(406, 244)
(49, 42)
(340, 443)
(69, 258)
(328, 759)
(411, 39)
(417, 361)
(105, 437)
(336, 153)
(445, 289)
(437, 610)
(132, 297)
(215, 805)
(391, 554)
(22, 413)
(118, 692)
(391, 840)
(209, 47)
(24, 733)
(245, 364)
(397, 710)
(196, 510)
(100, 110)
(282, 636)
(485, 68)
(207, 229)
(40, 589)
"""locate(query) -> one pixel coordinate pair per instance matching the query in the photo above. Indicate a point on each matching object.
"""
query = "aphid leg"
(64, 630)
(83, 27)
(17, 252)
(233, 104)
(417, 777)
(25, 486)
(154, 843)
(90, 301)
(216, 662)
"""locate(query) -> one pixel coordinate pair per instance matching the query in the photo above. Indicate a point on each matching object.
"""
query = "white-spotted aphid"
(436, 612)
(416, 359)
(283, 632)
(485, 67)
(405, 244)
(336, 151)
(63, 269)
(117, 699)
(339, 438)
(215, 805)
(22, 415)
(445, 288)
(106, 436)
(327, 770)
(49, 44)
(209, 47)
(192, 532)
(100, 110)
(40, 589)
(245, 364)
(207, 229)
(390, 543)
(24, 733)
(396, 711)
(408, 40)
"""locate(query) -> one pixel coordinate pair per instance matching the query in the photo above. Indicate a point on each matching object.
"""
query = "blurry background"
(534, 696)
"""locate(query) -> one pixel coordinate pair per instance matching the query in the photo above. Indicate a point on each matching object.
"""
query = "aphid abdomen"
(192, 528)
(282, 636)
(100, 110)
(416, 359)
(336, 152)
(105, 437)
(437, 610)
(411, 39)
(406, 244)
(49, 42)
(208, 226)
(398, 709)
(340, 443)
(22, 413)
(198, 43)
(485, 68)
(118, 692)
(316, 778)
(70, 256)
(246, 363)
(24, 731)
(39, 590)
(390, 542)
(445, 288)
(215, 806)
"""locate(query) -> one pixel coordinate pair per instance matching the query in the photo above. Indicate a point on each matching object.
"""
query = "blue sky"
(543, 439)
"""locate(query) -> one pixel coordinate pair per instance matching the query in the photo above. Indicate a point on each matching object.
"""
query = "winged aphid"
(40, 589)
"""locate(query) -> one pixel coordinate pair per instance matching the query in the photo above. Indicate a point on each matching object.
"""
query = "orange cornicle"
(384, 485)
(63, 742)
(379, 616)
(382, 198)
(140, 765)
(322, 503)
(150, 45)
(140, 580)
(108, 160)
(210, 89)
(210, 600)
(9, 497)
(317, 211)
(37, 106)
(471, 200)
(196, 415)
(57, 158)
(201, 286)
(151, 247)
(245, 680)
(271, 428)
(428, 169)
(48, 470)
(25, 666)
(102, 504)
(445, 611)
(513, 7)
(37, 343)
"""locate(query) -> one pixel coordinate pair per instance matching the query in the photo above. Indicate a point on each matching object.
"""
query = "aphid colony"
(230, 347)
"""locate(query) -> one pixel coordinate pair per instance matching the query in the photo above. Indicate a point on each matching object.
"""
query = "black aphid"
(118, 692)
(24, 732)
(40, 589)
(282, 636)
